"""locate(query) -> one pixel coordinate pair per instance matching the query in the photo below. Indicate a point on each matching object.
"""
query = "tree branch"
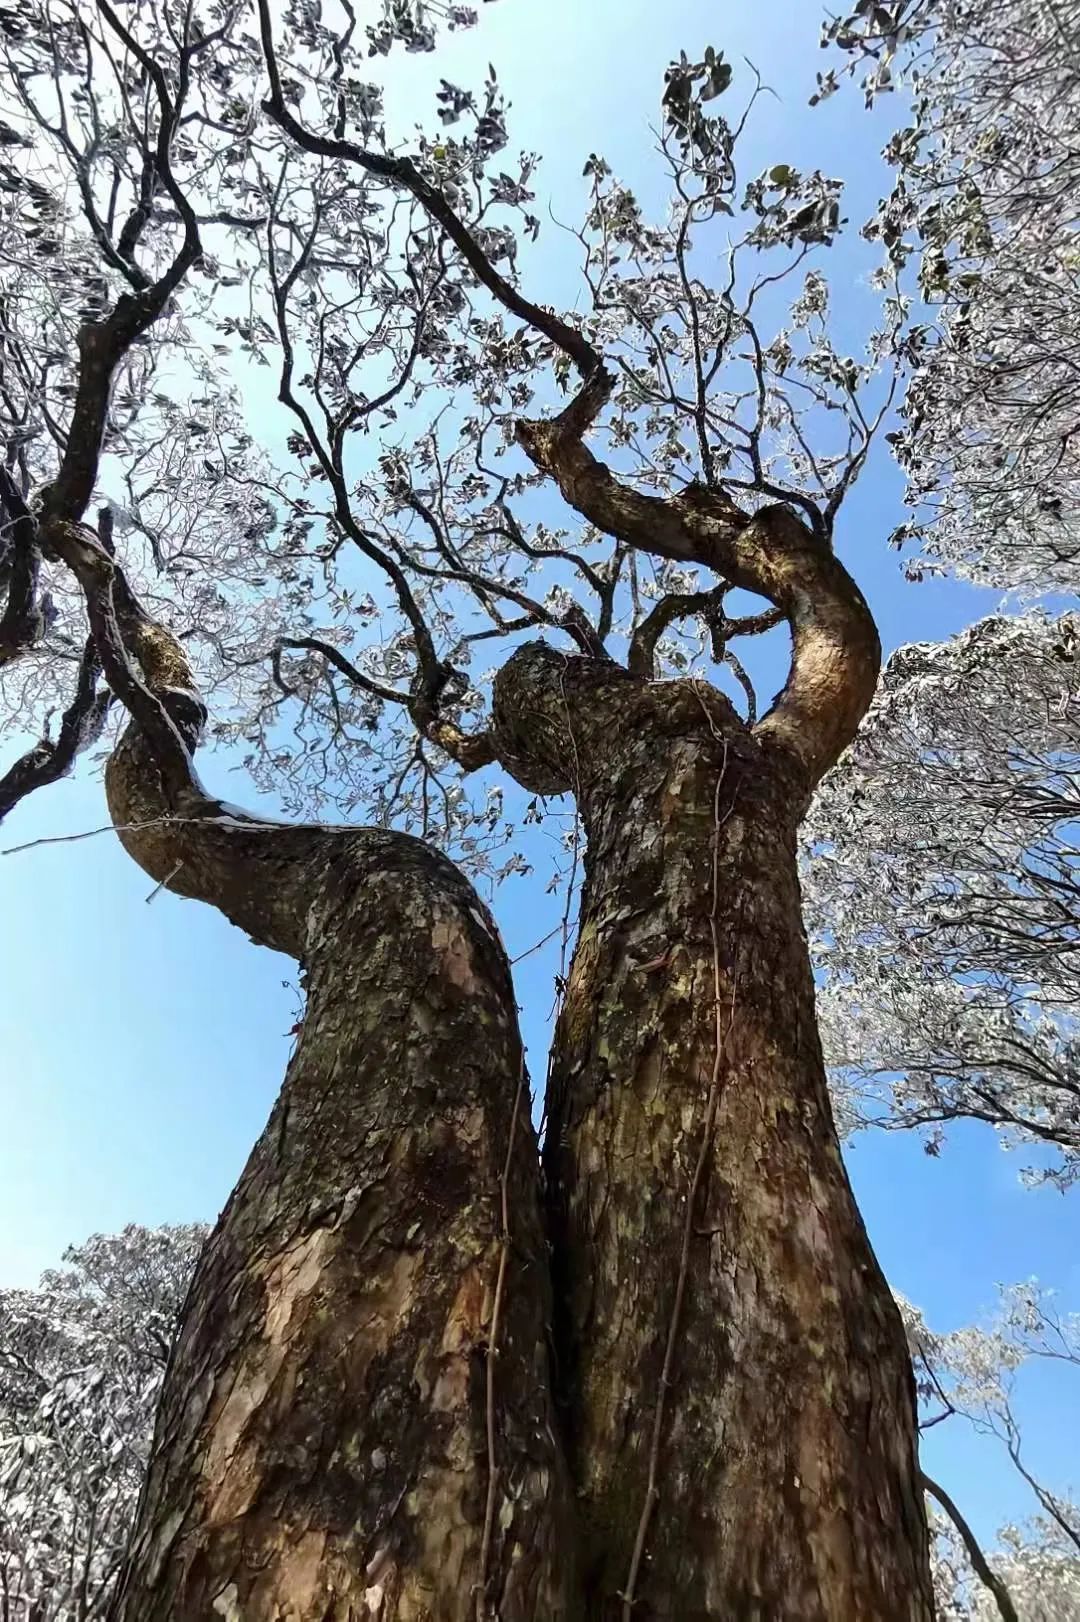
(51, 759)
(403, 172)
(675, 605)
(333, 656)
(163, 661)
(21, 621)
(1006, 1608)
(103, 344)
(836, 653)
(432, 671)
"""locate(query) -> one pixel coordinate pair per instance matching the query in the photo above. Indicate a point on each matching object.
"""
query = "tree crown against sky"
(363, 589)
(983, 206)
(451, 568)
(972, 1374)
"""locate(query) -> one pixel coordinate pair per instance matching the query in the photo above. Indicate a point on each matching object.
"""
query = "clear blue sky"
(142, 1045)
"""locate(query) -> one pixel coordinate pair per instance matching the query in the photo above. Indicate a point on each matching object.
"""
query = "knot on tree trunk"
(563, 722)
(537, 712)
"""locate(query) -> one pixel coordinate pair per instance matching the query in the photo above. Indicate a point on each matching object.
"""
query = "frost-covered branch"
(971, 1376)
(82, 1359)
(984, 204)
(105, 264)
(943, 892)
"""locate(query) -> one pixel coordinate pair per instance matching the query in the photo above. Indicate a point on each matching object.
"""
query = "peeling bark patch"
(291, 1280)
(450, 942)
(468, 1313)
(298, 1588)
(231, 1483)
(225, 1604)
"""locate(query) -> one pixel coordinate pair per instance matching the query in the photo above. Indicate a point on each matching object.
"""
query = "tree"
(81, 1363)
(984, 199)
(83, 1358)
(972, 1374)
(941, 873)
(412, 1373)
(941, 892)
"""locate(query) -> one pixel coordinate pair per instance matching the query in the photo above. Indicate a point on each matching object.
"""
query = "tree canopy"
(984, 208)
(342, 598)
(941, 892)
(224, 204)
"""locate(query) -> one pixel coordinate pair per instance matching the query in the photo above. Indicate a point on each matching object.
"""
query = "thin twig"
(493, 1351)
(401, 171)
(161, 884)
(253, 827)
(564, 924)
(529, 950)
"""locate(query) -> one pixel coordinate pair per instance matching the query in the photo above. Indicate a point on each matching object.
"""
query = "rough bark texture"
(323, 1445)
(337, 1439)
(736, 1387)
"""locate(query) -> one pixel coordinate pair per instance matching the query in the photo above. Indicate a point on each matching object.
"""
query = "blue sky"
(143, 1044)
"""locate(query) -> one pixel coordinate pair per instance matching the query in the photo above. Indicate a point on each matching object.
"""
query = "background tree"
(941, 893)
(984, 204)
(972, 1374)
(945, 930)
(81, 1364)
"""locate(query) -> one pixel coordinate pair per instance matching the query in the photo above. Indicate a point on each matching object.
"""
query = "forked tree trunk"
(336, 1438)
(735, 1385)
(357, 1420)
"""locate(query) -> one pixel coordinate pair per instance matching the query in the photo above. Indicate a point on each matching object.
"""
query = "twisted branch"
(835, 649)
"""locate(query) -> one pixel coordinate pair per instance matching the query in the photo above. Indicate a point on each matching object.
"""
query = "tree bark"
(733, 1374)
(356, 1421)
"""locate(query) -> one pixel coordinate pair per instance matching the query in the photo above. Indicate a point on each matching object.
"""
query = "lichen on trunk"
(734, 1381)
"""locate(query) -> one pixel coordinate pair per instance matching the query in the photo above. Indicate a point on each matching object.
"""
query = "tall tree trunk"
(356, 1420)
(736, 1387)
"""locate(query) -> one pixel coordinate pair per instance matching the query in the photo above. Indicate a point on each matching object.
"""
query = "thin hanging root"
(722, 1035)
(493, 1352)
